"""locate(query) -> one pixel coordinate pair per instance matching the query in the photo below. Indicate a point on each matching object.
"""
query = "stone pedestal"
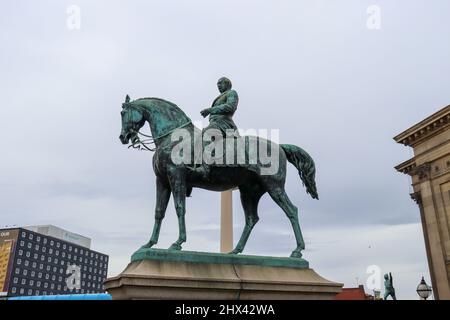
(164, 274)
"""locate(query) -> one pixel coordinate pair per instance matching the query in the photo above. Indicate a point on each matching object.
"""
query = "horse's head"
(132, 120)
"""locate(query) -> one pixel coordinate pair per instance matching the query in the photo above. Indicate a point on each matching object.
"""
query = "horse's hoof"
(147, 245)
(234, 252)
(175, 246)
(296, 254)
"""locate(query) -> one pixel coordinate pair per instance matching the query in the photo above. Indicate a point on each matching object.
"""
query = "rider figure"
(221, 114)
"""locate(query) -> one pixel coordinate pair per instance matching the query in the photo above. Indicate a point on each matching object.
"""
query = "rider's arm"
(229, 106)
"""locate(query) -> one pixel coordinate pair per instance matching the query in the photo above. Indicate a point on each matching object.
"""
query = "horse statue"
(165, 118)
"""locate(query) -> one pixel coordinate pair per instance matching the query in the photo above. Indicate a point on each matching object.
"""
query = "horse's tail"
(305, 166)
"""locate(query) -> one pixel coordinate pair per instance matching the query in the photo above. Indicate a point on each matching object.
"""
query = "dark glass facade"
(44, 265)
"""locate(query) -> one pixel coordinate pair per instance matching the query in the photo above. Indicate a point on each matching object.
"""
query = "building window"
(25, 272)
(40, 275)
(27, 263)
(47, 276)
(52, 243)
(38, 239)
(29, 245)
(19, 261)
(20, 252)
(22, 291)
(58, 244)
(48, 268)
(33, 273)
(50, 251)
(36, 292)
(41, 266)
(76, 250)
(23, 234)
(35, 256)
(28, 254)
(64, 246)
(57, 252)
(45, 241)
(31, 282)
(15, 280)
(23, 282)
(44, 249)
(70, 248)
(30, 292)
(22, 243)
(45, 285)
(13, 289)
(34, 264)
(30, 236)
(38, 284)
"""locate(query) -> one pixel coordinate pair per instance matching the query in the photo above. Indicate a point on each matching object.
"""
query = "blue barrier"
(94, 296)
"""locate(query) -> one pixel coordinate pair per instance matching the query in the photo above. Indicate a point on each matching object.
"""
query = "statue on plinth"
(177, 173)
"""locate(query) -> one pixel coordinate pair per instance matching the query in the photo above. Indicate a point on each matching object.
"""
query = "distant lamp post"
(423, 290)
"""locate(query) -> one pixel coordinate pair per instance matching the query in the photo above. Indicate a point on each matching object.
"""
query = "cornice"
(425, 128)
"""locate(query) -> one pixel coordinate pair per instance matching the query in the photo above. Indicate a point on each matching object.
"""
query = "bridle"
(147, 144)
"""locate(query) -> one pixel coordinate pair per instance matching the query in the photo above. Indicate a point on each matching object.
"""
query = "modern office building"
(46, 260)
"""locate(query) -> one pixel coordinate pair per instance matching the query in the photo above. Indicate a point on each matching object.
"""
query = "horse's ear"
(127, 99)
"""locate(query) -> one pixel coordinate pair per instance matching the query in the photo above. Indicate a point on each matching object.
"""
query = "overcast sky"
(312, 69)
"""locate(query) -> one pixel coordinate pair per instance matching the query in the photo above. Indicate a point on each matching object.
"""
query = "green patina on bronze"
(389, 287)
(217, 258)
(179, 179)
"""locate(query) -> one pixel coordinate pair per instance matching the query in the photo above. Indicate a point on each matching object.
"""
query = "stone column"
(226, 221)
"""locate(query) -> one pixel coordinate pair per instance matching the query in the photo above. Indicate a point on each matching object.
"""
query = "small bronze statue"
(389, 287)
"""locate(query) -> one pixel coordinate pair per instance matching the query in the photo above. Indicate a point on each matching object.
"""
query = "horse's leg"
(280, 197)
(249, 199)
(177, 180)
(162, 199)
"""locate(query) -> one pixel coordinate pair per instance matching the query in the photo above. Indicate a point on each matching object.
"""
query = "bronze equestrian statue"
(165, 118)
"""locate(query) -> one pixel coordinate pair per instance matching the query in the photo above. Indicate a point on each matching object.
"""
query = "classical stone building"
(430, 173)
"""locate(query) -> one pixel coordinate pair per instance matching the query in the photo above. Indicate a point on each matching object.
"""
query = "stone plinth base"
(166, 274)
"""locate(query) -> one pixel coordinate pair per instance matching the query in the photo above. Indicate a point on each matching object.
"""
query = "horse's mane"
(159, 99)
